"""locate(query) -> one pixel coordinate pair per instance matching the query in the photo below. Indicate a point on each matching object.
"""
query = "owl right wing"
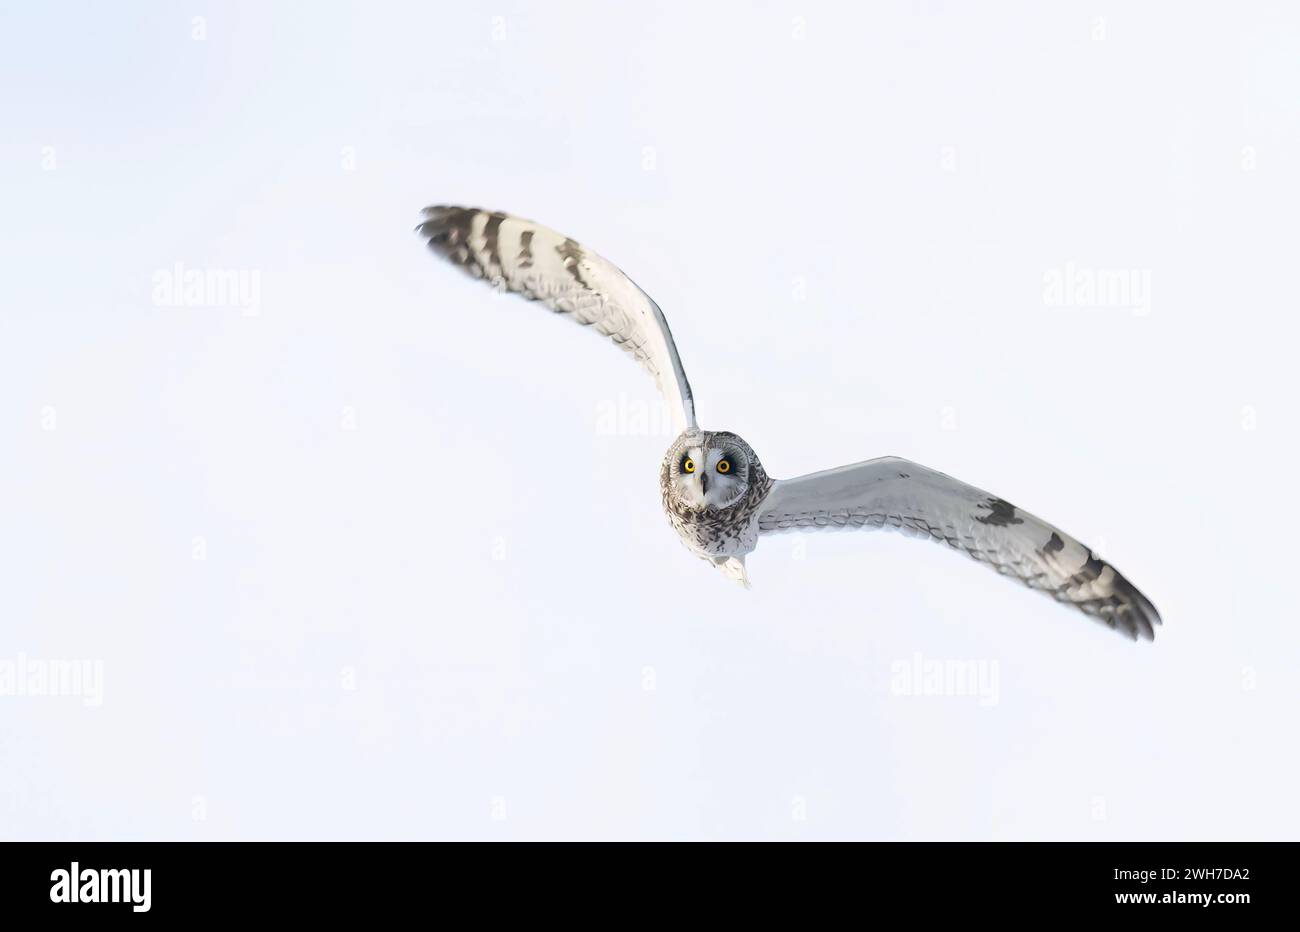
(894, 493)
(542, 265)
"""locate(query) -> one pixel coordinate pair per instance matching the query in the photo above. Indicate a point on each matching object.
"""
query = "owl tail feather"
(733, 568)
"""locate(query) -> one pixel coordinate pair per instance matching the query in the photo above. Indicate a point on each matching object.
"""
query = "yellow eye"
(724, 465)
(688, 465)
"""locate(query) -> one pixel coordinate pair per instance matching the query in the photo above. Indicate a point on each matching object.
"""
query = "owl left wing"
(542, 265)
(894, 493)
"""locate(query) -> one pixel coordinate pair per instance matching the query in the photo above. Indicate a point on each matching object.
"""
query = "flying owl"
(716, 493)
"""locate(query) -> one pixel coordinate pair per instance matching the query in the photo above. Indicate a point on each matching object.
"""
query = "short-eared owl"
(716, 493)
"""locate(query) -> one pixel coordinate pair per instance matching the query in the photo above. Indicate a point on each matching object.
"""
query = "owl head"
(708, 469)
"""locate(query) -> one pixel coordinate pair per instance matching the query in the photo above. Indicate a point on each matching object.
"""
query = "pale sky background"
(365, 559)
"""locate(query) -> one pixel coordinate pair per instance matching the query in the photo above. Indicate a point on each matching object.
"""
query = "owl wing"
(894, 493)
(542, 265)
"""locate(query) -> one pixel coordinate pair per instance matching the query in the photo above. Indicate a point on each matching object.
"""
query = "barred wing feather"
(542, 265)
(894, 493)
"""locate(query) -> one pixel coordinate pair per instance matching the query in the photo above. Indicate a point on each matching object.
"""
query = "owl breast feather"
(712, 532)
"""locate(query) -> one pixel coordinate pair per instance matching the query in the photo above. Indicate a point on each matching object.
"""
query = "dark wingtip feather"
(1123, 609)
(1139, 615)
(441, 222)
(446, 230)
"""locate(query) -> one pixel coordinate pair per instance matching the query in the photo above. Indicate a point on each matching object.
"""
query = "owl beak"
(704, 484)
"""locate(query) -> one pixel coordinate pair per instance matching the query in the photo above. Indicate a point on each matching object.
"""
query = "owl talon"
(733, 568)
